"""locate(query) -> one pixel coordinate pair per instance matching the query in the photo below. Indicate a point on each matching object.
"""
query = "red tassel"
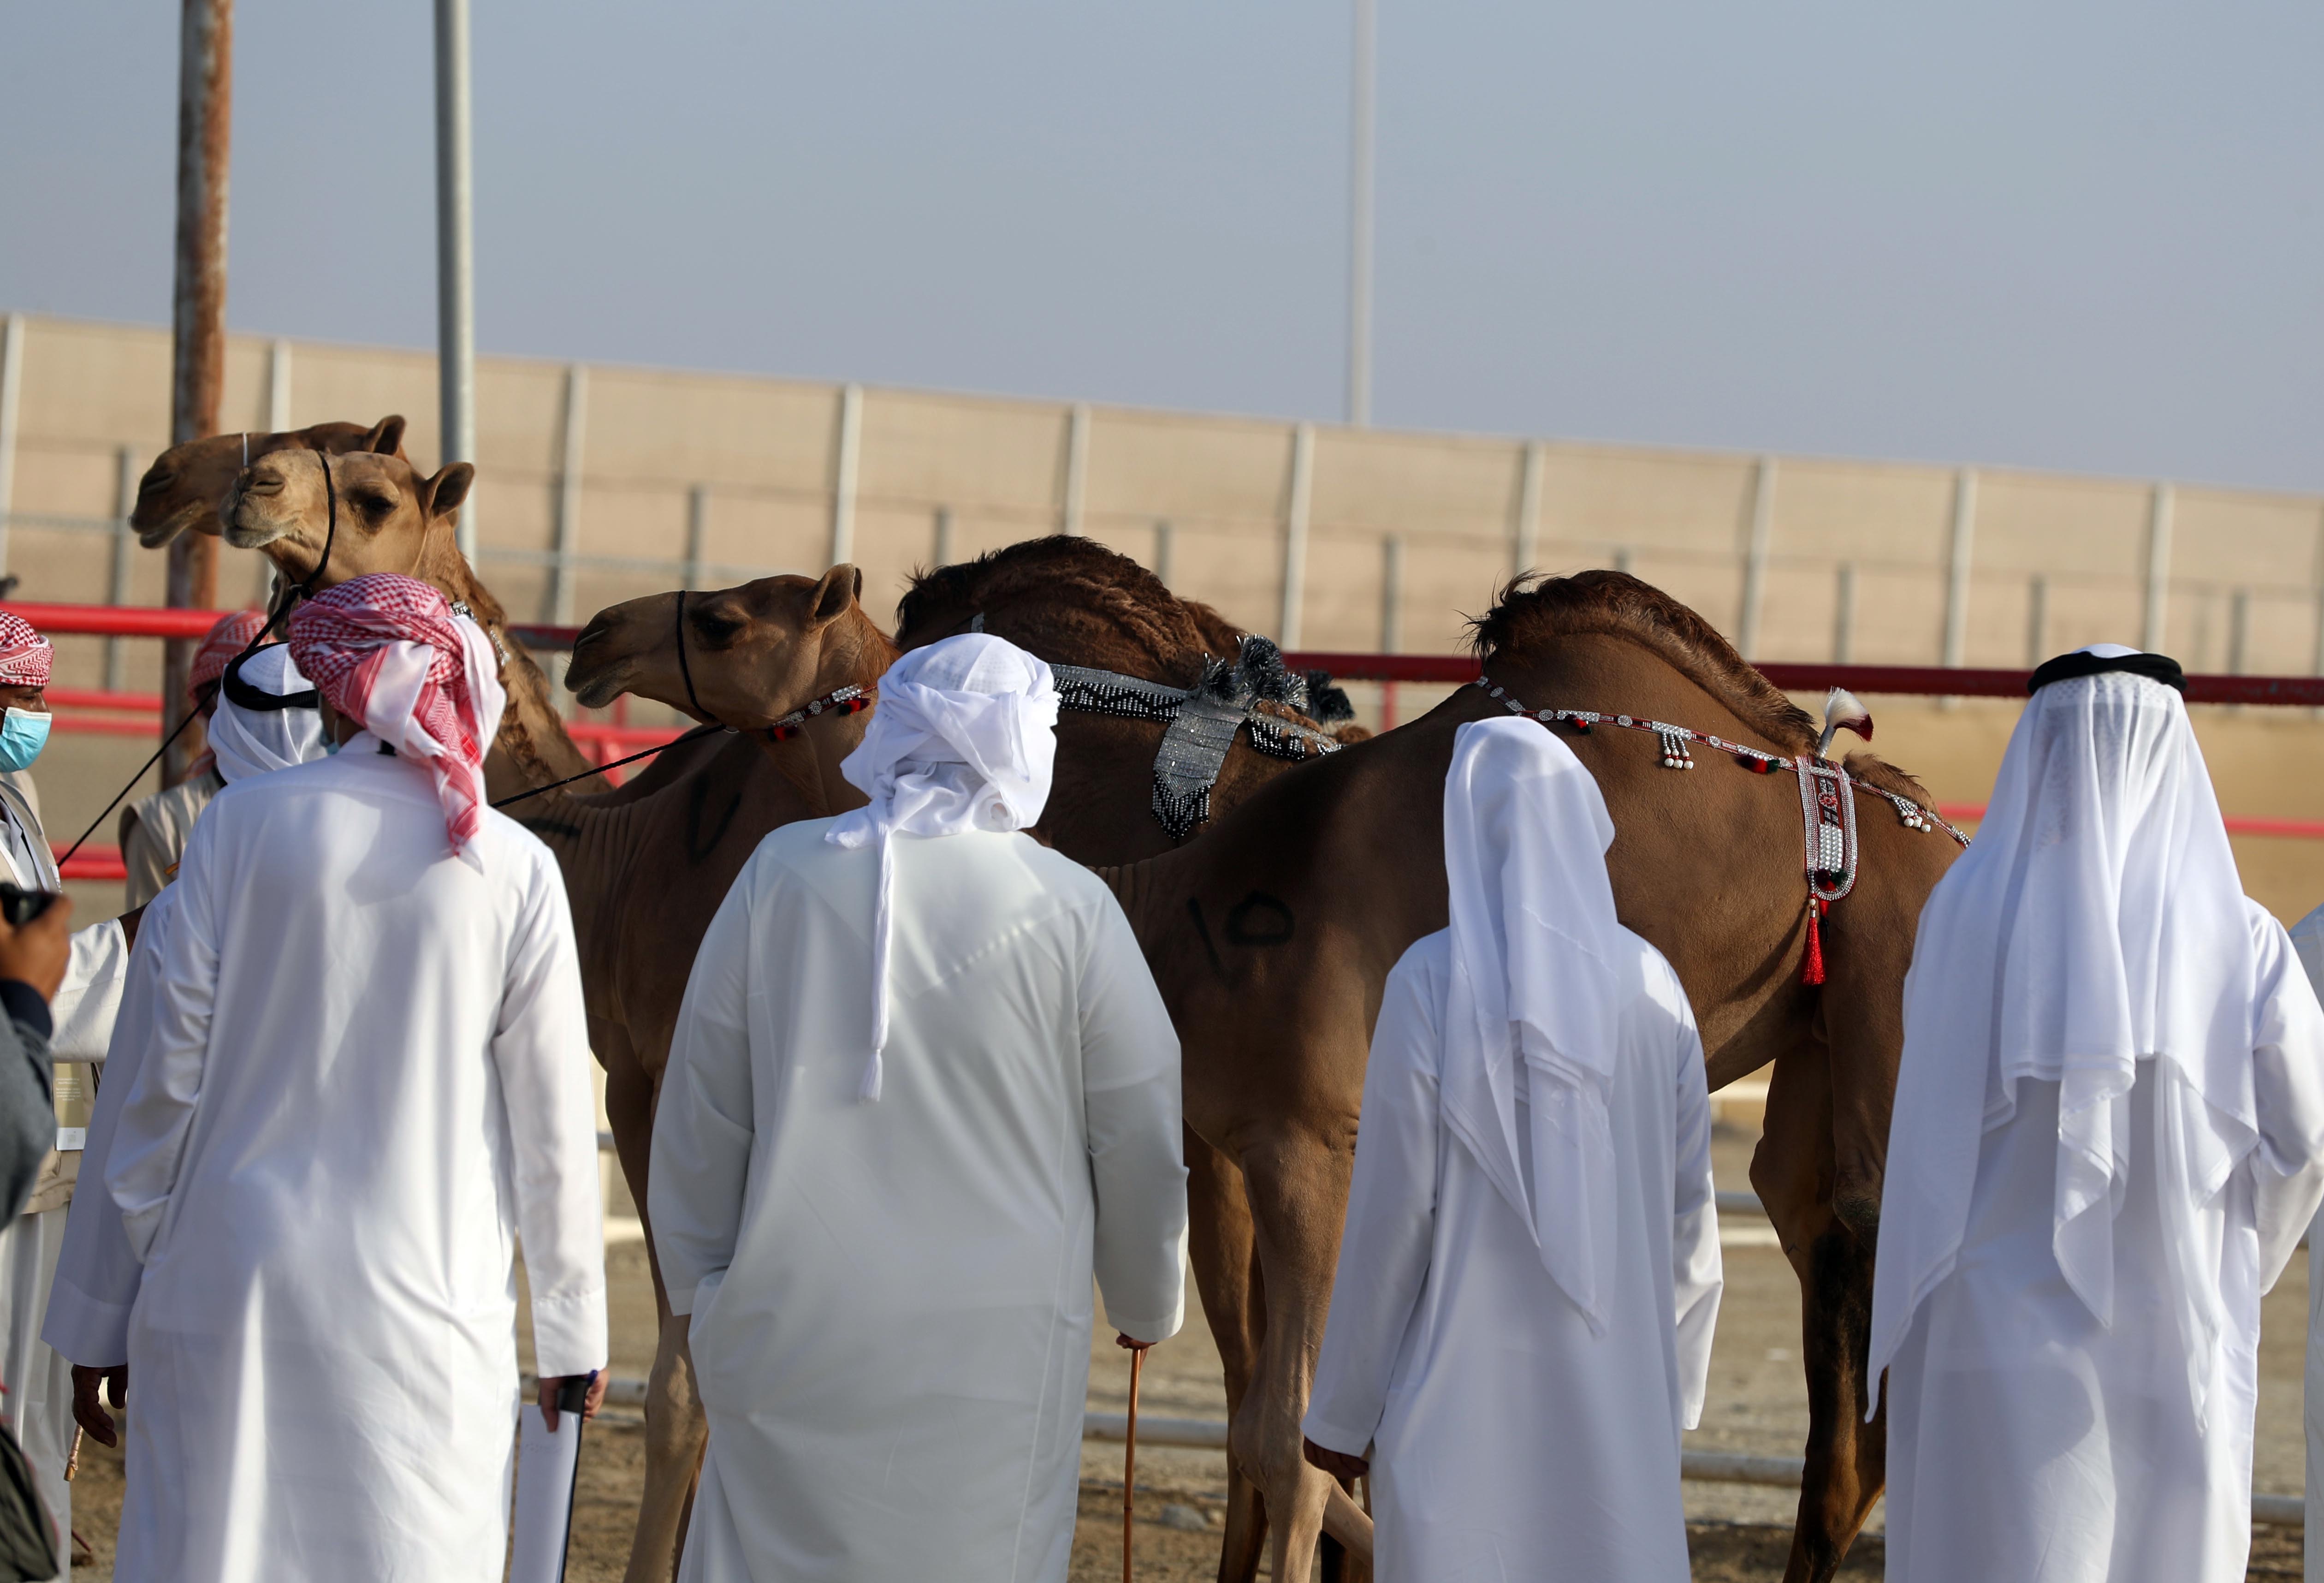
(1812, 971)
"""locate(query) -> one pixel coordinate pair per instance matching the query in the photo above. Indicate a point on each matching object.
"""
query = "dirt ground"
(1739, 1534)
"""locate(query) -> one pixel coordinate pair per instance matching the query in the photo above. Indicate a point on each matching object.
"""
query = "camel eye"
(716, 630)
(375, 504)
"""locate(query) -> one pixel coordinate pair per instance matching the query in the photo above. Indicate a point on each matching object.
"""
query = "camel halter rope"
(289, 596)
(851, 700)
(1827, 809)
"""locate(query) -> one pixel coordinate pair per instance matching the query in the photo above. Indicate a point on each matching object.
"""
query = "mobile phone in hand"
(20, 906)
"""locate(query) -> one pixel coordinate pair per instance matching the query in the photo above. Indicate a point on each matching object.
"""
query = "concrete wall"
(2230, 579)
(765, 458)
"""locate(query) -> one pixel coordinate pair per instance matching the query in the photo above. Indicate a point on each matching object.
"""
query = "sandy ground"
(1740, 1534)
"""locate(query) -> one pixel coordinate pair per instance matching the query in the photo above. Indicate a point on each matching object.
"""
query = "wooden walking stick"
(1129, 1460)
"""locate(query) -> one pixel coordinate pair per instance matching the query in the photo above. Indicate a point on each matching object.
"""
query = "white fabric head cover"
(964, 738)
(1535, 951)
(251, 742)
(2096, 922)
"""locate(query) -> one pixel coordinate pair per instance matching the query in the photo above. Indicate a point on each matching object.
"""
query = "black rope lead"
(699, 731)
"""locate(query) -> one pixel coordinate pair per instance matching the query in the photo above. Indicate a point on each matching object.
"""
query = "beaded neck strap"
(850, 700)
(1827, 808)
(1675, 741)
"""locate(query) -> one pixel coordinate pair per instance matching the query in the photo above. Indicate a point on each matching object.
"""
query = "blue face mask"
(23, 735)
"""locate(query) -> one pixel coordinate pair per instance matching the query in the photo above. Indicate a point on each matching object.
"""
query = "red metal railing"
(93, 712)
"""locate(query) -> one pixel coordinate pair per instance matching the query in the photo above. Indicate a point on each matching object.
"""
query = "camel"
(180, 493)
(391, 518)
(756, 653)
(1271, 948)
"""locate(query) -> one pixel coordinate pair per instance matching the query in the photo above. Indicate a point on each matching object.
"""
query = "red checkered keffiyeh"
(25, 655)
(388, 652)
(229, 637)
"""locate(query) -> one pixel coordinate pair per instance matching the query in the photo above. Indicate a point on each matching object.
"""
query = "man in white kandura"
(267, 717)
(1521, 1323)
(2308, 942)
(2108, 1136)
(923, 1089)
(368, 1071)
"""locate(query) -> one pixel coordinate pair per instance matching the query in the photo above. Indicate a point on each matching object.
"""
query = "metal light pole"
(456, 315)
(1360, 223)
(198, 352)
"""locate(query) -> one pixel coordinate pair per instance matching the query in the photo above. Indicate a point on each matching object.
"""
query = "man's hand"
(88, 1410)
(37, 953)
(1128, 1345)
(1338, 1464)
(555, 1383)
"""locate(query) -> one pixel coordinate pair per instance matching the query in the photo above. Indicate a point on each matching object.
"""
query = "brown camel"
(755, 653)
(180, 491)
(1272, 948)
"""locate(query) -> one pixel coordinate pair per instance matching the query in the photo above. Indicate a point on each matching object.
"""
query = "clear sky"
(2068, 235)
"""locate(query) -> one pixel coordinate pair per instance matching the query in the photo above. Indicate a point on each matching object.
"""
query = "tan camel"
(180, 491)
(393, 519)
(755, 653)
(1272, 950)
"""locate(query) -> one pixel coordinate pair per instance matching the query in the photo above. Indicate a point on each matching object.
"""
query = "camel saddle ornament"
(1203, 720)
(1827, 809)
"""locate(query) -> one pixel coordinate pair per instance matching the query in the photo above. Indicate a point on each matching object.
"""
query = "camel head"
(755, 653)
(391, 518)
(180, 491)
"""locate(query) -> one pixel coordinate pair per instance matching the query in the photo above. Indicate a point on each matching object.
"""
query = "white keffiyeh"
(963, 739)
(2096, 922)
(1536, 1004)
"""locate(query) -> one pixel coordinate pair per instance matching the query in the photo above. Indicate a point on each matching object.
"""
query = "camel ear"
(834, 595)
(441, 495)
(386, 436)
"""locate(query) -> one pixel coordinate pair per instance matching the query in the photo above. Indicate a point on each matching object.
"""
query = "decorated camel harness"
(1827, 810)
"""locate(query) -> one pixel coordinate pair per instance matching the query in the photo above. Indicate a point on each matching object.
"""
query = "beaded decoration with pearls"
(845, 700)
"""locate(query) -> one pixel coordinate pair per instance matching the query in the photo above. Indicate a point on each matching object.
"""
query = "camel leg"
(1792, 1172)
(1220, 1242)
(1298, 1189)
(675, 1431)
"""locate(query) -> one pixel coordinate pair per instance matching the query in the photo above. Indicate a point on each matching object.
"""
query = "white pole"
(278, 386)
(2158, 568)
(569, 494)
(1754, 557)
(697, 531)
(1162, 537)
(947, 546)
(455, 318)
(843, 484)
(1294, 532)
(1957, 568)
(1529, 533)
(2037, 622)
(1077, 430)
(2239, 610)
(12, 381)
(1360, 220)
